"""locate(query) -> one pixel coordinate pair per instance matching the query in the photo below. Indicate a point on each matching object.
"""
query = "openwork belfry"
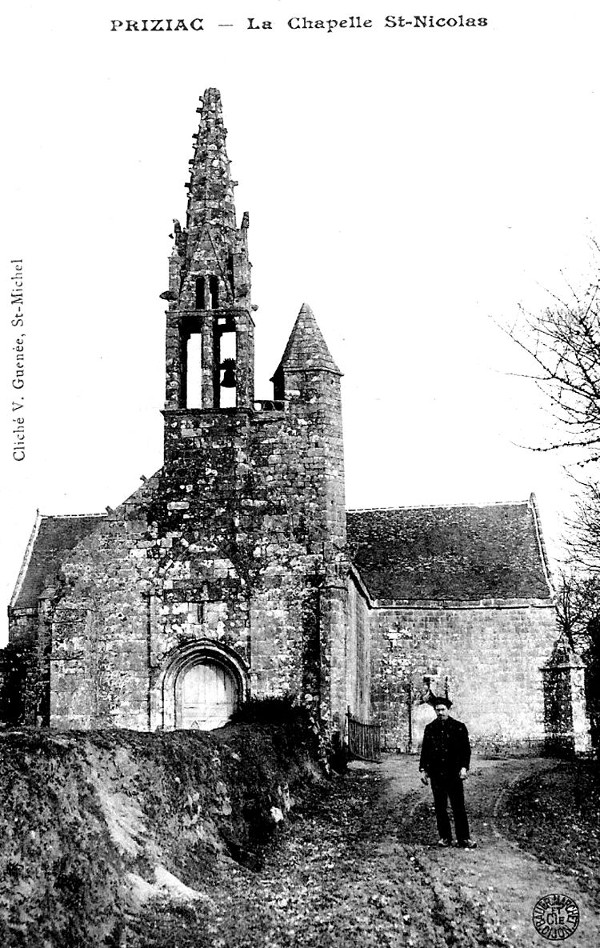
(236, 569)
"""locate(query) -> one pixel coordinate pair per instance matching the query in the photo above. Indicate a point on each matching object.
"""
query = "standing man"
(445, 759)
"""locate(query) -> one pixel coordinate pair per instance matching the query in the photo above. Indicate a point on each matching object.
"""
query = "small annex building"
(236, 569)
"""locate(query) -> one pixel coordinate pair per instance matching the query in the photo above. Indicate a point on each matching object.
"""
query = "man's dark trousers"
(450, 788)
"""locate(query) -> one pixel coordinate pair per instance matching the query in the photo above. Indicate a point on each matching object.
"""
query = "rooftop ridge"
(77, 516)
(461, 505)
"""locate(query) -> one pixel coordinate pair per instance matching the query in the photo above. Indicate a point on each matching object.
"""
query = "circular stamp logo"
(555, 917)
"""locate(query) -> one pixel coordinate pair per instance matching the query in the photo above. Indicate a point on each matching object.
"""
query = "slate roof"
(450, 553)
(51, 538)
(407, 553)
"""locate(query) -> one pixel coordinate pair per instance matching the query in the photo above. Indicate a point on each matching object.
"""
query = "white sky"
(412, 185)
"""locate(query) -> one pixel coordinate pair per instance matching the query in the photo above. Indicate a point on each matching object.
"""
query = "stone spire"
(210, 246)
(210, 199)
(306, 349)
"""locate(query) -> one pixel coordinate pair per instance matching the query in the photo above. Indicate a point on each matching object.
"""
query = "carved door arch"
(200, 685)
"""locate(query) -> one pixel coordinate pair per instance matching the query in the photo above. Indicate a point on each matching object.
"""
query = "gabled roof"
(50, 539)
(450, 553)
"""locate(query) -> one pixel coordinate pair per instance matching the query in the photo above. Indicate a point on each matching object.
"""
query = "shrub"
(278, 710)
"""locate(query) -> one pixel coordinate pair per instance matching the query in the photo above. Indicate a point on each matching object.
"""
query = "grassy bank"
(556, 816)
(94, 825)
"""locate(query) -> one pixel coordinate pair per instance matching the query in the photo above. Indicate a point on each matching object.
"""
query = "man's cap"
(445, 701)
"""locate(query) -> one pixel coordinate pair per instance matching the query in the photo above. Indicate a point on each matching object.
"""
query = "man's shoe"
(467, 844)
(444, 842)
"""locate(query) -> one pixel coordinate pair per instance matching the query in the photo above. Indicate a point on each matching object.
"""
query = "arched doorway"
(206, 695)
(200, 686)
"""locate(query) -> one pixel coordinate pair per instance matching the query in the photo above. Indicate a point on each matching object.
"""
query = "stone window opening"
(213, 291)
(200, 293)
(230, 271)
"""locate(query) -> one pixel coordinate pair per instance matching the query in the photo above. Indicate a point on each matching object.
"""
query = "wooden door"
(208, 696)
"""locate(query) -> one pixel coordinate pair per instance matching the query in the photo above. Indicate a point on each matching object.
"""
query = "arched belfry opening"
(226, 364)
(202, 686)
(208, 362)
(192, 384)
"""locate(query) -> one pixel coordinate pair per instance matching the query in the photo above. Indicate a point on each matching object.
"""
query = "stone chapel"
(236, 569)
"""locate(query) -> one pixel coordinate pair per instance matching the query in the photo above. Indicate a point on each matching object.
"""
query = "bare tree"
(577, 605)
(563, 343)
(583, 538)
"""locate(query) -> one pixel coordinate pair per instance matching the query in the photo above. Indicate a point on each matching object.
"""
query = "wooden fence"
(364, 740)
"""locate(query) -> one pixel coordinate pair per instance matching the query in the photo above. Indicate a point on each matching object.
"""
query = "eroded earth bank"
(363, 868)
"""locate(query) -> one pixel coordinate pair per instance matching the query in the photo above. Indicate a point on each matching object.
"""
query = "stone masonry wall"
(490, 659)
(99, 668)
(254, 487)
(23, 626)
(230, 543)
(355, 684)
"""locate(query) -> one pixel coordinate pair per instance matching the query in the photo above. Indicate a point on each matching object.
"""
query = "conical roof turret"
(306, 349)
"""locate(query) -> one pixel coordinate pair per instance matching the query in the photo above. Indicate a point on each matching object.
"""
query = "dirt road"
(365, 871)
(498, 883)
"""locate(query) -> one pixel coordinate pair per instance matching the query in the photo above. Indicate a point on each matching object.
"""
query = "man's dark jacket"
(445, 748)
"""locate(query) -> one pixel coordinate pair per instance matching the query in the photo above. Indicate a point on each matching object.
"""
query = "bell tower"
(210, 330)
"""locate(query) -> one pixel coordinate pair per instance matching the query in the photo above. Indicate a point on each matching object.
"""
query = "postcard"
(285, 253)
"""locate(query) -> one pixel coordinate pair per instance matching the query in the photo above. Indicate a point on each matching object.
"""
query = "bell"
(229, 374)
